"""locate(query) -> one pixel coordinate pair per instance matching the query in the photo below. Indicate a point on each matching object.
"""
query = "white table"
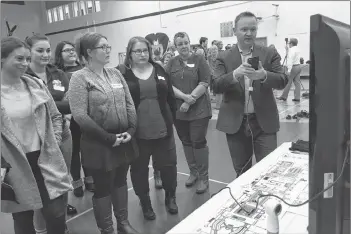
(282, 173)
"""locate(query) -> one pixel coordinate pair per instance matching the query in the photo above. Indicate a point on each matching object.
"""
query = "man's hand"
(245, 69)
(119, 139)
(126, 137)
(184, 107)
(3, 173)
(260, 74)
(189, 99)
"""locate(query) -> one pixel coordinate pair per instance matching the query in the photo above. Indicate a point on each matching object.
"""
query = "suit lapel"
(236, 58)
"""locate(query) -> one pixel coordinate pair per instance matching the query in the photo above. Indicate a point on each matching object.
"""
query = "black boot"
(103, 214)
(170, 202)
(157, 178)
(146, 206)
(120, 209)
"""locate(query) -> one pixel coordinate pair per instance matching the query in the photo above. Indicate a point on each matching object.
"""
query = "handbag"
(7, 191)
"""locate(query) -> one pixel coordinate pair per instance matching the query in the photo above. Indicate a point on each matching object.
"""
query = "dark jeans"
(76, 164)
(248, 140)
(53, 210)
(193, 133)
(106, 181)
(164, 153)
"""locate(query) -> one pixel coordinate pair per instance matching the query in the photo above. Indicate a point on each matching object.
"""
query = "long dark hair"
(131, 43)
(58, 54)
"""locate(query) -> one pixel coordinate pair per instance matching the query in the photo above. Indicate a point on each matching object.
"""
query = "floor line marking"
(292, 107)
(215, 181)
(90, 209)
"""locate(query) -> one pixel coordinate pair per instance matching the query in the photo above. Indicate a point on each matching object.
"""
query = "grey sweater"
(101, 107)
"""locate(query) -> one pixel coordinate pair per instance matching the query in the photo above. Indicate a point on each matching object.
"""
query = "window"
(66, 12)
(97, 6)
(83, 10)
(90, 7)
(60, 13)
(55, 14)
(48, 12)
(75, 9)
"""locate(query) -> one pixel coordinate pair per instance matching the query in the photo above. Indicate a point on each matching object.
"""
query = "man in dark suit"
(248, 113)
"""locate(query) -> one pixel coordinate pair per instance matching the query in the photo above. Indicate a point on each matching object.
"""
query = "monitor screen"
(329, 123)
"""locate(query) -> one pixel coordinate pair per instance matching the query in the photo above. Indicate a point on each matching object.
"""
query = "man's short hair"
(293, 41)
(242, 15)
(202, 40)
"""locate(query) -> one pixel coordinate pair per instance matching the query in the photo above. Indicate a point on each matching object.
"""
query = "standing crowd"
(76, 113)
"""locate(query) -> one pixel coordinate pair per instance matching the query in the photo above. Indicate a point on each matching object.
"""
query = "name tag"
(190, 65)
(161, 78)
(59, 88)
(117, 86)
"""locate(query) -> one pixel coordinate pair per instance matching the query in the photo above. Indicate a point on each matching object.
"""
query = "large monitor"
(329, 125)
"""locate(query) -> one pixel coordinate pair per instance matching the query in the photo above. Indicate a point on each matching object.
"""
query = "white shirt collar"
(241, 51)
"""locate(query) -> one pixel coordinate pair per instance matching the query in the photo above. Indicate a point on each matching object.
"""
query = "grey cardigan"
(51, 162)
(102, 109)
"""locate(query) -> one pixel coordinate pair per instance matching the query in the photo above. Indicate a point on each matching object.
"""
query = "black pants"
(106, 181)
(248, 140)
(193, 133)
(76, 164)
(164, 153)
(53, 210)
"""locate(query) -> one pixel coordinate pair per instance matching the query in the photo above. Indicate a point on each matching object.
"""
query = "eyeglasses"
(104, 47)
(139, 52)
(69, 50)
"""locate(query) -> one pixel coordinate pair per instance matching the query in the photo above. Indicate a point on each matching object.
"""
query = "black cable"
(289, 204)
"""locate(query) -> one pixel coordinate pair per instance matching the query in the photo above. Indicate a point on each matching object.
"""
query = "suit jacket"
(232, 108)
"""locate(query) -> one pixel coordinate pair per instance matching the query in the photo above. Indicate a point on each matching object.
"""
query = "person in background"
(190, 75)
(214, 42)
(152, 93)
(294, 71)
(227, 47)
(212, 56)
(220, 47)
(166, 57)
(103, 108)
(31, 132)
(302, 61)
(248, 114)
(57, 83)
(202, 50)
(66, 60)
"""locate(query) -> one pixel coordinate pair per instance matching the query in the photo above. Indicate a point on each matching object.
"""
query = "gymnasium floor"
(221, 173)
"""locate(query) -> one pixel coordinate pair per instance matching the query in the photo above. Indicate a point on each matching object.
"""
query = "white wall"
(202, 21)
(27, 18)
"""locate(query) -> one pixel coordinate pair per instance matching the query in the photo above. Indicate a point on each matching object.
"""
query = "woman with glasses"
(190, 75)
(57, 83)
(154, 101)
(66, 60)
(31, 132)
(102, 106)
